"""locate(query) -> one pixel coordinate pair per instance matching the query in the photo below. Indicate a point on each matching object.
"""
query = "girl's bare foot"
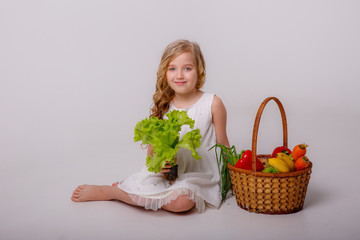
(85, 193)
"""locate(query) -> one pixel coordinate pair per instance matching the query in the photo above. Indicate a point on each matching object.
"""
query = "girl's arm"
(218, 111)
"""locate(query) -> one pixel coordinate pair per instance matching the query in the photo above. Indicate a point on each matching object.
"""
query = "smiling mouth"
(180, 83)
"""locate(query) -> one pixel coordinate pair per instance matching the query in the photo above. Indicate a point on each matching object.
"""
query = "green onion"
(226, 155)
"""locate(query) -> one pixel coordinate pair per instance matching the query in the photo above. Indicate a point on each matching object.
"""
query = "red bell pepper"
(280, 149)
(245, 162)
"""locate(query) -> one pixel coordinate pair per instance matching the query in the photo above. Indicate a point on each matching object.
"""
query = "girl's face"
(182, 75)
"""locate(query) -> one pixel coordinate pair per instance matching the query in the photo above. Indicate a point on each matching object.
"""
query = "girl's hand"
(166, 168)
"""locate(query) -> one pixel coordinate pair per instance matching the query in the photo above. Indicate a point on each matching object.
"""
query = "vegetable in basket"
(270, 169)
(245, 162)
(299, 151)
(281, 149)
(164, 136)
(302, 163)
(287, 159)
(279, 164)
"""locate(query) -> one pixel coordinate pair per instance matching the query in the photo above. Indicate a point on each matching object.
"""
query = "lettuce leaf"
(164, 136)
(191, 140)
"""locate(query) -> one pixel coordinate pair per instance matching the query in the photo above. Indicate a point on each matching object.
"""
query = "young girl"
(180, 76)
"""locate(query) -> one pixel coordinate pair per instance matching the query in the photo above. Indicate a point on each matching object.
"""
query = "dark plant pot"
(173, 174)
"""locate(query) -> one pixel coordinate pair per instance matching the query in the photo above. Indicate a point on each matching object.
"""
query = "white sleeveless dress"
(199, 180)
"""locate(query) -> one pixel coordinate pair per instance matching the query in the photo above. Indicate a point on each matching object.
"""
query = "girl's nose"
(180, 75)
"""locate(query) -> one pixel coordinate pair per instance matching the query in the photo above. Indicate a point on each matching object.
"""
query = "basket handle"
(256, 127)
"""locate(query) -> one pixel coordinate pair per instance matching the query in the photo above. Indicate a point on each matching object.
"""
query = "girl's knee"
(181, 204)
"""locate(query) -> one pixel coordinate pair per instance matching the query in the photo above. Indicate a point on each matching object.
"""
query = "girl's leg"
(86, 193)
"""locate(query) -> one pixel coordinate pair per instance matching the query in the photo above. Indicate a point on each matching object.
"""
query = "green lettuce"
(164, 136)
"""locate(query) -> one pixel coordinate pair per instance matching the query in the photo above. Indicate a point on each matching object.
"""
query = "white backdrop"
(76, 76)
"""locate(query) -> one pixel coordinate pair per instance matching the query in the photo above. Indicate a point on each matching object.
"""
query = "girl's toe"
(76, 194)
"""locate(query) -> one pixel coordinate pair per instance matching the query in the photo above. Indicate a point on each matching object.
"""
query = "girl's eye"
(171, 69)
(188, 69)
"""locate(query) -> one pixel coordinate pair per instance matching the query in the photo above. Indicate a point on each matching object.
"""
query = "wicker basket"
(269, 193)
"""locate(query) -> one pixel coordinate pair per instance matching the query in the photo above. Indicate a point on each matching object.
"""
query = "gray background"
(76, 76)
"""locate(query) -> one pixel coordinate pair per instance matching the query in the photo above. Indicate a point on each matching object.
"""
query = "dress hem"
(157, 201)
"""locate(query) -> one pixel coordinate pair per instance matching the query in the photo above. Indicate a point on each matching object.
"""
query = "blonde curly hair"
(163, 93)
